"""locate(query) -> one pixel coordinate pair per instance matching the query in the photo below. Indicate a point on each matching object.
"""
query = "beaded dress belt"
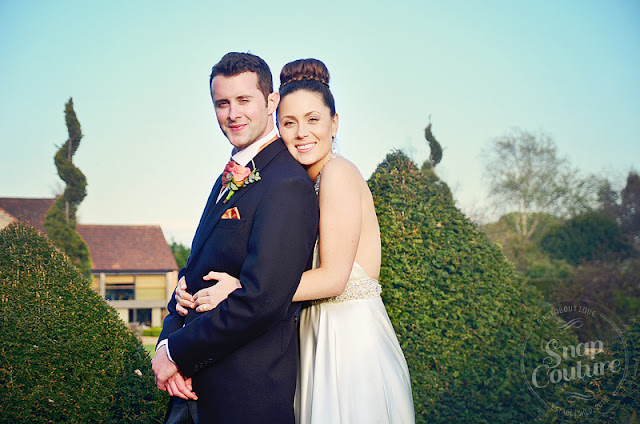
(367, 288)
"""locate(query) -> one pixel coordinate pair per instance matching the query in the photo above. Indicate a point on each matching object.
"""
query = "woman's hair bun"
(304, 70)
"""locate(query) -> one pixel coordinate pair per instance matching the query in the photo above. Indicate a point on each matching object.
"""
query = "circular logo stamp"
(569, 349)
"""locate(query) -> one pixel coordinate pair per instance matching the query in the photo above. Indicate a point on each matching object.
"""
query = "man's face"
(243, 114)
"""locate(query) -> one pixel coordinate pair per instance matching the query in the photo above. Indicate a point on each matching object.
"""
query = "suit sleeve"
(280, 243)
(172, 322)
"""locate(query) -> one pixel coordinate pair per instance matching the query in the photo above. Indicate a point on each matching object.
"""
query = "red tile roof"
(27, 210)
(116, 248)
(127, 248)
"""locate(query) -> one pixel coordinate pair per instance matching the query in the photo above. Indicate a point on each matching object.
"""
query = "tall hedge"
(460, 312)
(65, 356)
(615, 399)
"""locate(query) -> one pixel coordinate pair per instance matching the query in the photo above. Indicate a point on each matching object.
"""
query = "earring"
(334, 145)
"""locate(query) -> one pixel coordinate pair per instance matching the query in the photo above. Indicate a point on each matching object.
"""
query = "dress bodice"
(359, 285)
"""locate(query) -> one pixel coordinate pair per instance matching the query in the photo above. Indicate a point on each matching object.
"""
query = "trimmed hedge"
(460, 312)
(65, 355)
(614, 401)
(152, 332)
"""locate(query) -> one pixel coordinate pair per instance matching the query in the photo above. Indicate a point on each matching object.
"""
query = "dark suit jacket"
(243, 354)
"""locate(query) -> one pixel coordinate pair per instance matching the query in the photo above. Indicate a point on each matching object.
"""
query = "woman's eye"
(314, 119)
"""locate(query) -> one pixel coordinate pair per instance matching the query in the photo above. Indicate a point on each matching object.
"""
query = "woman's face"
(307, 128)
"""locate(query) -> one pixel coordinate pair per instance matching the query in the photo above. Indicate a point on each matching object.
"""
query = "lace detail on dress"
(365, 288)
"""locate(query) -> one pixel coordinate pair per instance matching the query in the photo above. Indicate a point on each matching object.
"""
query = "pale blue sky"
(138, 74)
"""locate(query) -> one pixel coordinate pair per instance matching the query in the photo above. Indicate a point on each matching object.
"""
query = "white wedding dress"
(351, 369)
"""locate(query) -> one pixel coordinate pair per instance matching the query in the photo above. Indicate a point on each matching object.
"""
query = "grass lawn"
(151, 349)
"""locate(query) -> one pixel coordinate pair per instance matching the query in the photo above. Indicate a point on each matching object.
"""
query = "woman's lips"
(303, 148)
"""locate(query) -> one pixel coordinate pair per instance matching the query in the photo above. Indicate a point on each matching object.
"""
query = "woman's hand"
(207, 299)
(184, 300)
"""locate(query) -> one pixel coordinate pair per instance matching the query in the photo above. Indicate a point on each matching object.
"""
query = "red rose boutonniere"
(236, 176)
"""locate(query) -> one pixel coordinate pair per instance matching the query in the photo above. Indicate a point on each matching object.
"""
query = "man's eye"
(222, 104)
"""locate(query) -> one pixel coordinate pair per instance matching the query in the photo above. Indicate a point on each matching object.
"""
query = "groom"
(260, 228)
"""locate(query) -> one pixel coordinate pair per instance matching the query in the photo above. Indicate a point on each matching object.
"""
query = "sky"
(138, 74)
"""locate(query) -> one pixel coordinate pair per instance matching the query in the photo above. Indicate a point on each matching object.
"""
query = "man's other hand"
(163, 368)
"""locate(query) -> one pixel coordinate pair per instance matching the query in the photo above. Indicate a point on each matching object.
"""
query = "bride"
(352, 369)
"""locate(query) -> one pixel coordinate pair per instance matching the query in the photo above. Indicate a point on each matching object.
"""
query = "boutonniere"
(236, 176)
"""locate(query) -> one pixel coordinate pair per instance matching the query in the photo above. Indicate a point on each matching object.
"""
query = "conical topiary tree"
(65, 355)
(460, 312)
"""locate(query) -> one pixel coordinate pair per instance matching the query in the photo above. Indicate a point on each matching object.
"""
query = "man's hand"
(179, 386)
(175, 384)
(163, 368)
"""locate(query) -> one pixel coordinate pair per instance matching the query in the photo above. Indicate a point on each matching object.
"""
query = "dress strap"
(317, 182)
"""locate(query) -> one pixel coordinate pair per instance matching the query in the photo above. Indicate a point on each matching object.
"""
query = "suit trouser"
(180, 411)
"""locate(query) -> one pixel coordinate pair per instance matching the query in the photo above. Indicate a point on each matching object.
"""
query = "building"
(133, 267)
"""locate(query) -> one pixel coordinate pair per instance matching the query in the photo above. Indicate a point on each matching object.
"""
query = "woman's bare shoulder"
(341, 168)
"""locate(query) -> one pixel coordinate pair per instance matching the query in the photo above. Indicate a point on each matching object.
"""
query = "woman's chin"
(306, 162)
(303, 159)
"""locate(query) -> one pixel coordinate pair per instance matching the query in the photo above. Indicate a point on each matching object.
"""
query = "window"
(141, 316)
(120, 287)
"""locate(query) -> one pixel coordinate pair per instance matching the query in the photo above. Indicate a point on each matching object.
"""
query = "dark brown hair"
(233, 64)
(310, 75)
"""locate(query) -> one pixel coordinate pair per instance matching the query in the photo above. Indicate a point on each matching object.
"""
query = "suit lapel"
(198, 240)
(214, 210)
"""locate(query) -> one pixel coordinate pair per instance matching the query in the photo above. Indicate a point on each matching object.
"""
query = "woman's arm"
(340, 223)
(340, 201)
(205, 299)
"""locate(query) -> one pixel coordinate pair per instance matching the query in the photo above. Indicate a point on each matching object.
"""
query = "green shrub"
(152, 332)
(65, 356)
(623, 406)
(614, 401)
(460, 312)
(611, 285)
(586, 237)
(525, 254)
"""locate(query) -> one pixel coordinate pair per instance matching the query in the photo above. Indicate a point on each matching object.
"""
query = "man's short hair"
(234, 63)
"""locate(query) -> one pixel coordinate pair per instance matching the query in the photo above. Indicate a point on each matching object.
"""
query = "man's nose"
(234, 112)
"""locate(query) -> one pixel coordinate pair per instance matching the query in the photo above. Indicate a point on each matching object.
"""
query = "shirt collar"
(244, 156)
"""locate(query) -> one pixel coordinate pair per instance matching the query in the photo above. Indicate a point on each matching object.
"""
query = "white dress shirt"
(246, 155)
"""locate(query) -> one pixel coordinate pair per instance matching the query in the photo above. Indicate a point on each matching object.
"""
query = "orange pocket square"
(231, 214)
